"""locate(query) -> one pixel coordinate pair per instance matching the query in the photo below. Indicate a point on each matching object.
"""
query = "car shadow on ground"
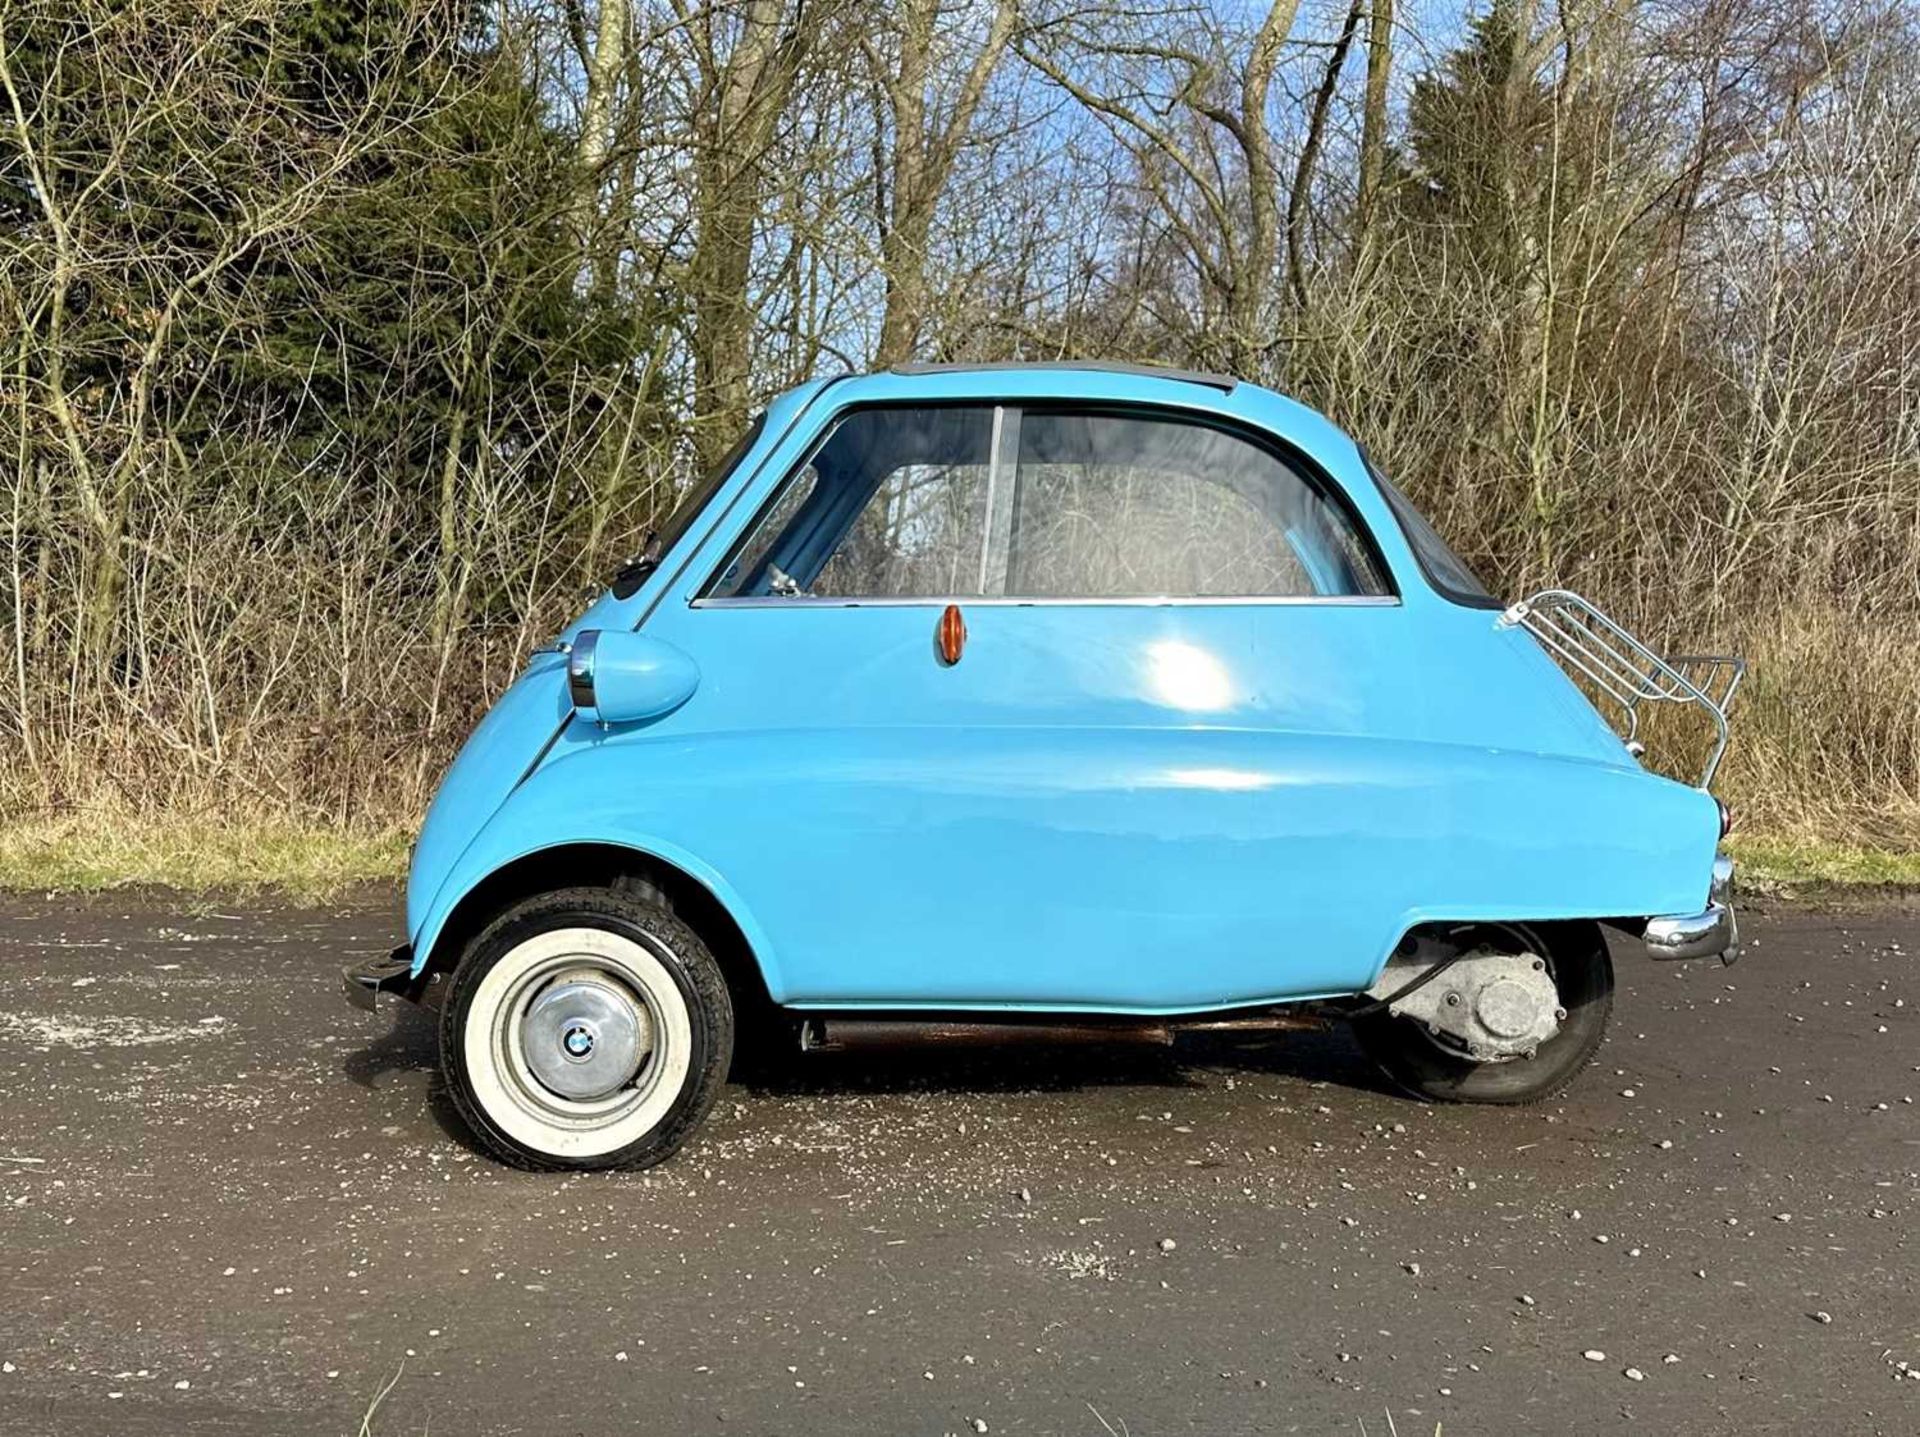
(898, 1058)
(986, 1058)
(411, 1044)
(1326, 1056)
(879, 1059)
(902, 1064)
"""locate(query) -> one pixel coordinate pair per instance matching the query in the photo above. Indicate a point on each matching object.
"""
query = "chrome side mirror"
(619, 676)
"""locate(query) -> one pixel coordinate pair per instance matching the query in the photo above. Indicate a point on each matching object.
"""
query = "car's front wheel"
(1429, 1061)
(585, 1028)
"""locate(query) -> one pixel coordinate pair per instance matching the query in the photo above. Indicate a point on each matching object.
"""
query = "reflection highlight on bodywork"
(1184, 676)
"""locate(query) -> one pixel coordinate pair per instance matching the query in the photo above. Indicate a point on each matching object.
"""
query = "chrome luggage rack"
(1591, 645)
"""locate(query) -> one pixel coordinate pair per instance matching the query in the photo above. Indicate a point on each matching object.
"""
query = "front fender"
(568, 801)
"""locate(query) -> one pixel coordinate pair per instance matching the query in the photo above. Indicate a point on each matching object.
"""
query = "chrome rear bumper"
(1711, 933)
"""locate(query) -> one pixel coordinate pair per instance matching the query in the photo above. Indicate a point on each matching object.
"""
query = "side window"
(1137, 506)
(752, 556)
(894, 504)
(979, 502)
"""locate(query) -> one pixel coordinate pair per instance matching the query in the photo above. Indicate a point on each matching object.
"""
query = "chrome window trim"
(1146, 601)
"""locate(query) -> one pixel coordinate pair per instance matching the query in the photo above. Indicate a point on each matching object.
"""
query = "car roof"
(1225, 383)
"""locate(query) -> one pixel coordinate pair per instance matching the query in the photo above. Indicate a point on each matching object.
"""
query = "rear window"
(1444, 569)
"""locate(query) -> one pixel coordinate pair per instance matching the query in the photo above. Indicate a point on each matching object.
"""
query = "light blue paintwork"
(636, 676)
(1127, 807)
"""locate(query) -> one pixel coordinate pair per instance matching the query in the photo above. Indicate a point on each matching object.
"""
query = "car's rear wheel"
(585, 1028)
(1437, 1067)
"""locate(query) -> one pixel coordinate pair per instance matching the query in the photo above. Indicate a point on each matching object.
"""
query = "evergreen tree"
(1477, 133)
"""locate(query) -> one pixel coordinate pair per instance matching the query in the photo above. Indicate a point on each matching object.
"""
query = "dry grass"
(1789, 864)
(94, 851)
(1826, 733)
(308, 862)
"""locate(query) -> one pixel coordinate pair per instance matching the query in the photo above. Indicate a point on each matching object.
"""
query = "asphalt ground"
(231, 1204)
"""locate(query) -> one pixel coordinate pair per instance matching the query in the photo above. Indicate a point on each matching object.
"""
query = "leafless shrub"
(337, 363)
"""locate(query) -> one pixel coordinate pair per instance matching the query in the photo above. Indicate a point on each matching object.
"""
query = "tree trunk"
(604, 68)
(1373, 129)
(750, 87)
(923, 160)
(1250, 302)
(1310, 154)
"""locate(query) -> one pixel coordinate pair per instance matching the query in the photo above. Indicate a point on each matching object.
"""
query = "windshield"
(696, 498)
(1445, 570)
(662, 539)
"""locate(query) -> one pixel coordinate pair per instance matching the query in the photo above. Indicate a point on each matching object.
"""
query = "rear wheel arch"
(1571, 930)
(608, 865)
(1577, 931)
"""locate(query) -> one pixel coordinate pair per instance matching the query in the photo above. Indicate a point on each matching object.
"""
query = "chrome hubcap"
(585, 1036)
(578, 1041)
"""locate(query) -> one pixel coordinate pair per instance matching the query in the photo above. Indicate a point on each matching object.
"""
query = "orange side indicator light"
(950, 635)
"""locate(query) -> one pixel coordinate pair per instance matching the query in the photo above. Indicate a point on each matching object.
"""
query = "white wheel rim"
(506, 1085)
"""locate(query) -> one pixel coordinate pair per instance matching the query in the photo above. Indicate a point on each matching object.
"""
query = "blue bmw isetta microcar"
(1065, 689)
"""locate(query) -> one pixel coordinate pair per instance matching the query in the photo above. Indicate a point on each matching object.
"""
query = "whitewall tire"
(586, 1028)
